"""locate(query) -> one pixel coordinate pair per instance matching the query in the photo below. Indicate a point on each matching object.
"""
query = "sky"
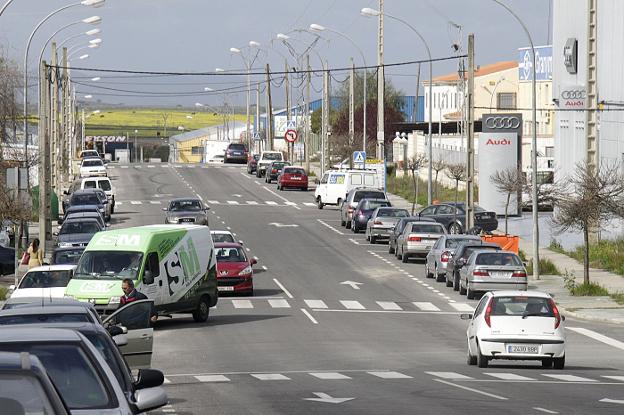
(196, 36)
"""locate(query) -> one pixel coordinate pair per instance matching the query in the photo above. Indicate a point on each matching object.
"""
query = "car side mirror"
(562, 318)
(525, 264)
(465, 316)
(115, 330)
(12, 287)
(120, 340)
(55, 233)
(149, 378)
(165, 209)
(253, 261)
(59, 221)
(65, 192)
(149, 399)
(241, 242)
(148, 278)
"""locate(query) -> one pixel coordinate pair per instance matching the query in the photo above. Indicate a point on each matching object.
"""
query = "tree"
(587, 199)
(414, 164)
(437, 165)
(456, 172)
(509, 181)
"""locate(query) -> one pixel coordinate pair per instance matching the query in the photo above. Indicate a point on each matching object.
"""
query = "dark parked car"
(77, 233)
(274, 170)
(363, 212)
(89, 197)
(66, 256)
(82, 209)
(453, 216)
(7, 260)
(352, 199)
(459, 258)
(236, 152)
(186, 210)
(398, 230)
(252, 163)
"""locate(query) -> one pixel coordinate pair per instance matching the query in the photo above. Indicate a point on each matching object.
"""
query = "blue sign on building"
(543, 67)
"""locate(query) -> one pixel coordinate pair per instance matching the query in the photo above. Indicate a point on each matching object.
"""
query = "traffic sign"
(291, 136)
(291, 125)
(255, 136)
(359, 156)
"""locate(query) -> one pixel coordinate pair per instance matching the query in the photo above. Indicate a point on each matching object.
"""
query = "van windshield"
(109, 265)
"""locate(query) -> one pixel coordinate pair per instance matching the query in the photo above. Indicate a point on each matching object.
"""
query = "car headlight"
(114, 300)
(246, 271)
(64, 244)
(172, 220)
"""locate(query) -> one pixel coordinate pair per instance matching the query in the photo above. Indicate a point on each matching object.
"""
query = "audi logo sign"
(573, 97)
(573, 94)
(507, 123)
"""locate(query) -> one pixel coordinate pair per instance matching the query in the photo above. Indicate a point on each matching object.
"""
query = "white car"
(516, 325)
(48, 281)
(92, 167)
(223, 236)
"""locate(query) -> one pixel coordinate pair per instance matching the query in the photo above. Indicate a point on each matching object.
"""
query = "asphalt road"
(309, 343)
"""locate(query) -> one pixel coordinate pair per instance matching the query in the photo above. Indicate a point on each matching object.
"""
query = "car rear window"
(471, 249)
(367, 194)
(45, 318)
(230, 255)
(427, 228)
(374, 204)
(455, 242)
(92, 163)
(90, 184)
(79, 227)
(85, 199)
(293, 170)
(522, 306)
(46, 279)
(237, 147)
(393, 213)
(272, 156)
(498, 258)
(222, 237)
(104, 185)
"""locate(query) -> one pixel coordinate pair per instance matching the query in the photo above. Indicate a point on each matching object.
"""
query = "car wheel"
(342, 222)
(348, 224)
(462, 289)
(455, 281)
(319, 203)
(354, 228)
(427, 273)
(482, 361)
(202, 311)
(438, 278)
(405, 258)
(559, 362)
(390, 248)
(304, 189)
(258, 174)
(373, 239)
(279, 187)
(455, 228)
(470, 294)
(398, 254)
(449, 282)
(470, 359)
(547, 363)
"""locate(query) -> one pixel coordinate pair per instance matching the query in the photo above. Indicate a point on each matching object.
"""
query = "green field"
(150, 121)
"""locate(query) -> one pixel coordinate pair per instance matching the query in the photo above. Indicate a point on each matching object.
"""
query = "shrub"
(547, 267)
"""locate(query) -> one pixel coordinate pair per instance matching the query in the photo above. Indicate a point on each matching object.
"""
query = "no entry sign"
(291, 136)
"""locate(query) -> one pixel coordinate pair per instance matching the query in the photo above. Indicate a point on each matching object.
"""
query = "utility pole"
(291, 147)
(64, 135)
(470, 171)
(269, 127)
(325, 121)
(352, 104)
(257, 129)
(307, 116)
(45, 226)
(54, 120)
(381, 85)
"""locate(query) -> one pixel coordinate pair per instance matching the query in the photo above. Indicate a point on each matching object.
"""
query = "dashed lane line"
(322, 222)
(279, 284)
(466, 388)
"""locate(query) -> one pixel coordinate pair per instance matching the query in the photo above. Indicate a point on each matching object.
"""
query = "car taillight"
(446, 255)
(480, 273)
(488, 312)
(555, 312)
(414, 239)
(274, 171)
(378, 222)
(350, 209)
(520, 274)
(359, 214)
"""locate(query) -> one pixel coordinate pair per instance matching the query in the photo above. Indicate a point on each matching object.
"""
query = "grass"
(149, 121)
(618, 298)
(607, 254)
(547, 267)
(3, 293)
(404, 187)
(589, 289)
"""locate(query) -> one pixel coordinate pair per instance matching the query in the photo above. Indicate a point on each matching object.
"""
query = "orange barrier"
(507, 242)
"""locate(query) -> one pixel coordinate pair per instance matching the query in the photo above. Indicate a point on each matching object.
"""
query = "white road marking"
(281, 197)
(279, 284)
(212, 202)
(569, 378)
(232, 202)
(309, 204)
(150, 167)
(270, 376)
(270, 202)
(449, 375)
(352, 305)
(354, 241)
(166, 381)
(264, 267)
(135, 202)
(279, 304)
(242, 304)
(118, 203)
(124, 167)
(308, 315)
(597, 336)
(508, 376)
(546, 411)
(290, 203)
(199, 196)
(491, 395)
(424, 306)
(252, 202)
(462, 307)
(212, 378)
(390, 375)
(620, 378)
(389, 305)
(155, 202)
(315, 303)
(330, 376)
(329, 226)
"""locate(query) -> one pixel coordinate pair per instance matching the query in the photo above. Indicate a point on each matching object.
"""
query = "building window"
(197, 150)
(506, 101)
(550, 152)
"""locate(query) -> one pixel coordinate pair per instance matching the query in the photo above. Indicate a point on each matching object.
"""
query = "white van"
(335, 184)
(102, 183)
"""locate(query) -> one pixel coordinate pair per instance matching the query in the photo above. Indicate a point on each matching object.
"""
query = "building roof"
(203, 132)
(481, 71)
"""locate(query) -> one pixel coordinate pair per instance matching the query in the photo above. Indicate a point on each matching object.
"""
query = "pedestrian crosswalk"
(177, 166)
(527, 377)
(219, 202)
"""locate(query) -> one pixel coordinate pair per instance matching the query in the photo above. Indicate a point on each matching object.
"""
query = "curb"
(590, 318)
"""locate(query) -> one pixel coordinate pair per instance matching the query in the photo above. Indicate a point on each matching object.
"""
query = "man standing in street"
(131, 294)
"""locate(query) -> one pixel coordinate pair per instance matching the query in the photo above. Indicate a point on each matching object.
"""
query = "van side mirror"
(148, 278)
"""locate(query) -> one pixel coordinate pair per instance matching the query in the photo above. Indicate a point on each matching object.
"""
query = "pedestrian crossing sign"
(359, 157)
(255, 136)
(291, 125)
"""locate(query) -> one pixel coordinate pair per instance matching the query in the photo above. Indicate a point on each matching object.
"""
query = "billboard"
(543, 67)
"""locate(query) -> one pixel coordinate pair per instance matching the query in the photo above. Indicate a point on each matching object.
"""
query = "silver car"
(382, 222)
(442, 251)
(490, 271)
(417, 239)
(187, 210)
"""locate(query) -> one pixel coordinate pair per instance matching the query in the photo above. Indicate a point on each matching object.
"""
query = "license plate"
(500, 274)
(523, 348)
(296, 178)
(225, 288)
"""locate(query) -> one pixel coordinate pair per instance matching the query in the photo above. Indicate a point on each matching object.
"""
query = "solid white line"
(597, 336)
(315, 303)
(389, 305)
(288, 202)
(312, 319)
(491, 395)
(232, 202)
(309, 204)
(546, 411)
(462, 307)
(199, 197)
(330, 227)
(620, 378)
(212, 378)
(279, 303)
(425, 306)
(279, 284)
(270, 202)
(252, 202)
(441, 313)
(352, 305)
(245, 175)
(448, 375)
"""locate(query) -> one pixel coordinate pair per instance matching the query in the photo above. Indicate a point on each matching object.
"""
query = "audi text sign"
(572, 97)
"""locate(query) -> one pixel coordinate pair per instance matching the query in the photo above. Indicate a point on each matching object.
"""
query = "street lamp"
(247, 61)
(90, 20)
(368, 12)
(318, 28)
(97, 78)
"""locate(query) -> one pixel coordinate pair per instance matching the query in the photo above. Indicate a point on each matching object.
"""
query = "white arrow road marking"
(323, 397)
(353, 284)
(237, 195)
(607, 400)
(281, 225)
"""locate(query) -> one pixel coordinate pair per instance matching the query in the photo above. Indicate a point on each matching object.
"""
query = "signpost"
(291, 136)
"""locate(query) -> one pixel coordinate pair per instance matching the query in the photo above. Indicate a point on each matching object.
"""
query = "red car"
(234, 269)
(293, 177)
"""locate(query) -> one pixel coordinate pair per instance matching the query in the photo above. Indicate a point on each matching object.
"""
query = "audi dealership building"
(570, 79)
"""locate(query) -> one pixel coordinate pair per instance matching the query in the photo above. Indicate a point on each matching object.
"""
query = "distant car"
(83, 209)
(45, 281)
(489, 271)
(516, 325)
(351, 200)
(187, 210)
(89, 154)
(273, 170)
(234, 269)
(252, 163)
(453, 217)
(382, 221)
(397, 230)
(102, 183)
(86, 215)
(89, 197)
(77, 233)
(26, 387)
(417, 239)
(266, 158)
(292, 177)
(7, 260)
(461, 255)
(69, 255)
(440, 254)
(236, 152)
(104, 201)
(363, 212)
(222, 236)
(92, 166)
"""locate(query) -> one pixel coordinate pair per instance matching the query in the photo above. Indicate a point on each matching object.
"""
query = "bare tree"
(509, 181)
(588, 199)
(456, 172)
(437, 165)
(414, 164)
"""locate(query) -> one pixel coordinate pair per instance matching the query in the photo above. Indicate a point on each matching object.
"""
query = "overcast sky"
(195, 36)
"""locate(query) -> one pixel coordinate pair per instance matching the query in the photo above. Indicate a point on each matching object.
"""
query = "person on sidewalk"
(131, 294)
(35, 254)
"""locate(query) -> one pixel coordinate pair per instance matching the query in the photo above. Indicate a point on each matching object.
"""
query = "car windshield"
(185, 205)
(455, 242)
(234, 254)
(471, 249)
(104, 346)
(70, 228)
(46, 279)
(45, 318)
(368, 195)
(104, 185)
(427, 228)
(71, 371)
(522, 306)
(374, 204)
(272, 156)
(70, 256)
(92, 163)
(222, 237)
(23, 393)
(109, 264)
(498, 258)
(392, 213)
(91, 153)
(85, 199)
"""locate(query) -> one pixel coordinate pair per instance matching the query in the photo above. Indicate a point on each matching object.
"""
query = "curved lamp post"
(90, 20)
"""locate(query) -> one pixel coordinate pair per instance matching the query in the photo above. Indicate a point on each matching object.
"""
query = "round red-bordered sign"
(291, 136)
